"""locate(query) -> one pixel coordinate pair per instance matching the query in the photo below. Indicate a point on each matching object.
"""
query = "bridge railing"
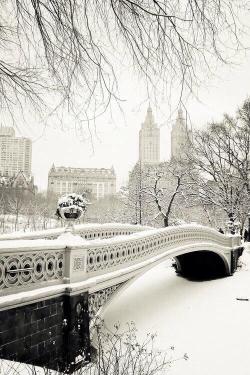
(25, 264)
(87, 231)
(30, 264)
(115, 253)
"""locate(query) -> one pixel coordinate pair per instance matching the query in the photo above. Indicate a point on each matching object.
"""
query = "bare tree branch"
(70, 49)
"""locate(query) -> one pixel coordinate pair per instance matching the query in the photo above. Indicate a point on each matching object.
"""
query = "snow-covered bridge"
(71, 264)
(81, 275)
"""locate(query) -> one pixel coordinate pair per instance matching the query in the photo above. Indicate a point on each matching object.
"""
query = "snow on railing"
(142, 246)
(87, 231)
(72, 259)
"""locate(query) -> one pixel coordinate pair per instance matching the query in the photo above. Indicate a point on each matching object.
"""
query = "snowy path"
(203, 319)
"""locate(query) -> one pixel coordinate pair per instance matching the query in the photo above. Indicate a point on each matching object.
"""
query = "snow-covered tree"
(17, 201)
(167, 187)
(109, 209)
(158, 192)
(134, 197)
(221, 161)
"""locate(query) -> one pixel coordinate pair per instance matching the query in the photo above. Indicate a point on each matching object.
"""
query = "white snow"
(72, 200)
(78, 228)
(66, 240)
(63, 240)
(203, 319)
(70, 239)
(150, 232)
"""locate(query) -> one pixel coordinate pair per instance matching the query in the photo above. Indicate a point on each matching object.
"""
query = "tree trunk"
(16, 221)
(165, 221)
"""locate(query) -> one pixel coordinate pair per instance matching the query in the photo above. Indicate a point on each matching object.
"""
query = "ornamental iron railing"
(32, 264)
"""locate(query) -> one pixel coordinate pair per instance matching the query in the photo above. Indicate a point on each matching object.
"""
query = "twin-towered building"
(16, 155)
(181, 137)
(101, 182)
(142, 177)
(149, 139)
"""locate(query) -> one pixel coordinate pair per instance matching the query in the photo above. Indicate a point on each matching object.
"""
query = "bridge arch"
(188, 253)
(202, 265)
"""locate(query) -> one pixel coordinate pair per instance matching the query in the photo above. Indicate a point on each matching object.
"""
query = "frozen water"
(203, 319)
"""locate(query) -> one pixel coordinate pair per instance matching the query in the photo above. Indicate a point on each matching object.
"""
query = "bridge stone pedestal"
(53, 333)
(235, 254)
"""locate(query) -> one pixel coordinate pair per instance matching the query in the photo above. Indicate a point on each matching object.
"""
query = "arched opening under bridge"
(201, 265)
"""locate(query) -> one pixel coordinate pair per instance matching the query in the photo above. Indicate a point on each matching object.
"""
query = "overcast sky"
(116, 140)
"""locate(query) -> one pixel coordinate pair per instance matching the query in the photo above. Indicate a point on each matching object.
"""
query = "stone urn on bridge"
(70, 208)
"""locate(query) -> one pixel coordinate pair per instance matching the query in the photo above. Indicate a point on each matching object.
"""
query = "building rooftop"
(149, 120)
(72, 170)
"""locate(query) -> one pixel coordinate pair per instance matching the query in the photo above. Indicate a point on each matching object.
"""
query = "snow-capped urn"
(70, 207)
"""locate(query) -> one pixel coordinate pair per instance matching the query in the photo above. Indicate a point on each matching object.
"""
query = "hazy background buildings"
(157, 190)
(97, 182)
(15, 153)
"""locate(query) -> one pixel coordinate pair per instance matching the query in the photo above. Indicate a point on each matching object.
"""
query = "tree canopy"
(221, 157)
(71, 50)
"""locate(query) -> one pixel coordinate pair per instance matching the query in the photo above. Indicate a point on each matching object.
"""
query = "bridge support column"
(53, 333)
(235, 254)
(76, 341)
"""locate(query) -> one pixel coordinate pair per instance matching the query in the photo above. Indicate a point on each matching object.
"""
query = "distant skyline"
(116, 137)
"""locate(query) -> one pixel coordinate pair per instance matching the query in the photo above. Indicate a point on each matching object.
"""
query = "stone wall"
(49, 333)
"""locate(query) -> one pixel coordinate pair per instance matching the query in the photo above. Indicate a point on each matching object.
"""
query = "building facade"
(15, 153)
(149, 140)
(99, 182)
(180, 137)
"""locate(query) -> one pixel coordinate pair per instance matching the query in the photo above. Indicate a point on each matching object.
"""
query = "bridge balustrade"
(29, 264)
(87, 231)
(111, 255)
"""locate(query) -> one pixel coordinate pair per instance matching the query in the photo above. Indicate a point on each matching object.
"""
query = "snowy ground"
(202, 319)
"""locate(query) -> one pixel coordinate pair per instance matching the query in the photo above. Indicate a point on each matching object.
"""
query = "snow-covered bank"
(204, 319)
